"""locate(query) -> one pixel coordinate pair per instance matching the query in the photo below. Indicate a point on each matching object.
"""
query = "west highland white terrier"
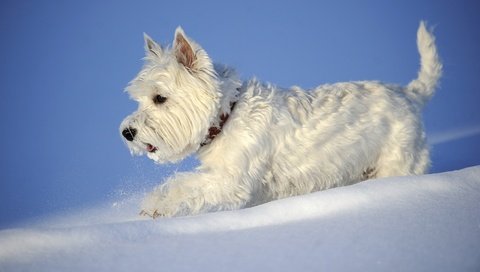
(257, 142)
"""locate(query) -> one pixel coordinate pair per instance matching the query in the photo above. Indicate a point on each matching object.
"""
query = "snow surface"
(424, 223)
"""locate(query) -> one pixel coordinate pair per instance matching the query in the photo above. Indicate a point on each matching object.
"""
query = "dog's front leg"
(193, 193)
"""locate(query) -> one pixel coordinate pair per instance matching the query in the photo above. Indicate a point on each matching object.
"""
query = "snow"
(423, 223)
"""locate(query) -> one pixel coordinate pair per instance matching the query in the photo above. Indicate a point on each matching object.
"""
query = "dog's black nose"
(129, 133)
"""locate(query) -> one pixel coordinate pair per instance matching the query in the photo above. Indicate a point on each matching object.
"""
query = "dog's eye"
(158, 99)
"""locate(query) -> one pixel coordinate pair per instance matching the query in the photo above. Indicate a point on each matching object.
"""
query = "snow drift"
(424, 223)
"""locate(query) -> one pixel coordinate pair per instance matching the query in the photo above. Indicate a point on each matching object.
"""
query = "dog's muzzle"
(129, 133)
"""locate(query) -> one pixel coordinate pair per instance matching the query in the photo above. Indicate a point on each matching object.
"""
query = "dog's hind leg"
(406, 154)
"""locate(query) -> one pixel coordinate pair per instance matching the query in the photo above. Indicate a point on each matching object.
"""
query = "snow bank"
(425, 223)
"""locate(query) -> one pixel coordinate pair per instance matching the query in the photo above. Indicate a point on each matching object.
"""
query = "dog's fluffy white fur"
(276, 142)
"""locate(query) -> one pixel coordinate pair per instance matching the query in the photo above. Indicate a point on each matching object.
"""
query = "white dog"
(257, 142)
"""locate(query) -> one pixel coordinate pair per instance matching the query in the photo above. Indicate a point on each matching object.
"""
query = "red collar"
(214, 131)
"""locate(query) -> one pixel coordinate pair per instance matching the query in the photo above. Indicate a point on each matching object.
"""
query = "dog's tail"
(423, 87)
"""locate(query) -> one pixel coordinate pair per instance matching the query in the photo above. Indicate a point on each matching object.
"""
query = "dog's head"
(178, 98)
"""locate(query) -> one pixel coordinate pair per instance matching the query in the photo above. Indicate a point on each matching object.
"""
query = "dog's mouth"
(150, 148)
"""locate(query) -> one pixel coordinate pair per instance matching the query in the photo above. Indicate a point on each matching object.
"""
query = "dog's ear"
(183, 49)
(151, 47)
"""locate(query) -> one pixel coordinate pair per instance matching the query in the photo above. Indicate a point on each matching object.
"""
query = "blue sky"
(64, 65)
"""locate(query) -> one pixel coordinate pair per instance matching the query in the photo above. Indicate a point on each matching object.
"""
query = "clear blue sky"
(64, 65)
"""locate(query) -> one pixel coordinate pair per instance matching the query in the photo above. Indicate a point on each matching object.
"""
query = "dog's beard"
(162, 138)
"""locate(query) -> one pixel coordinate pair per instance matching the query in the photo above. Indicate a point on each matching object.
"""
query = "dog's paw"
(152, 201)
(165, 209)
(153, 214)
(166, 202)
